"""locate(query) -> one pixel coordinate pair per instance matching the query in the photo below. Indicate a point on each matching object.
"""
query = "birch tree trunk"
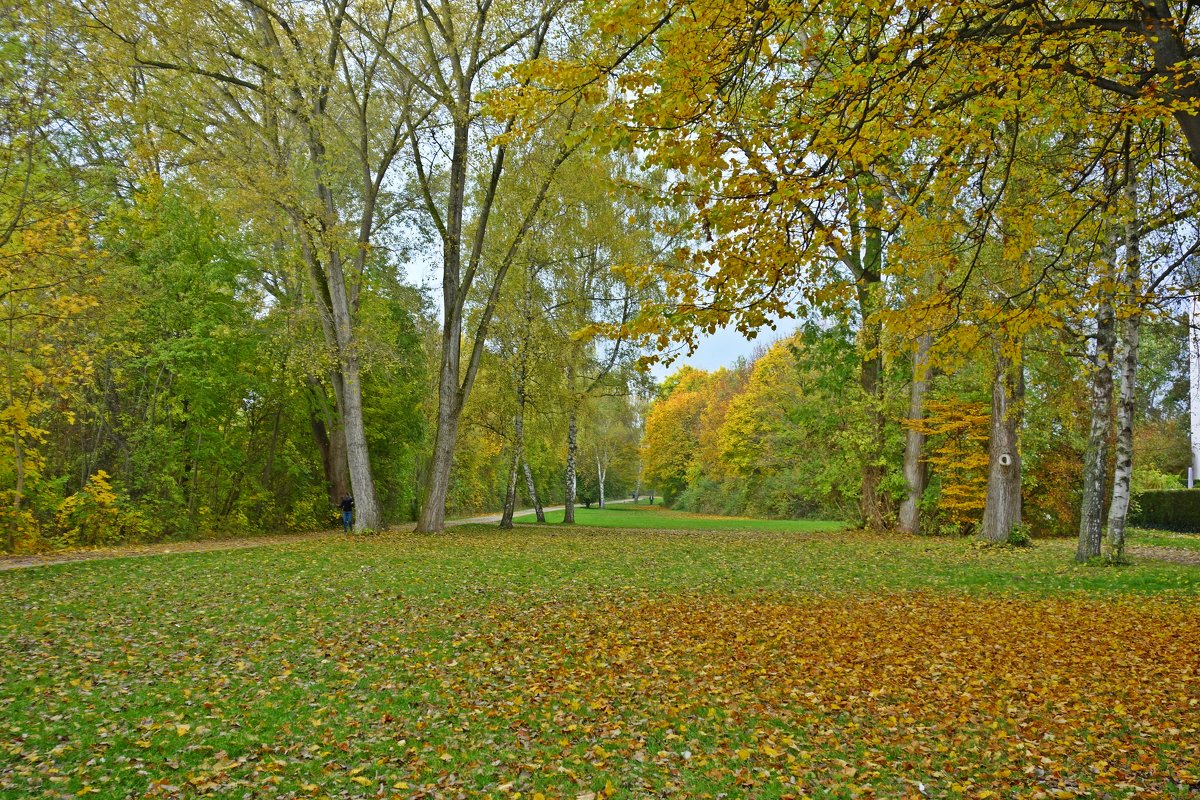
(510, 493)
(533, 495)
(915, 473)
(1194, 358)
(1118, 511)
(1002, 509)
(600, 471)
(572, 449)
(1095, 465)
(1129, 339)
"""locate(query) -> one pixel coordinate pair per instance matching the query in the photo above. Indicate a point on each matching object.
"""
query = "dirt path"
(162, 548)
(207, 545)
(1179, 555)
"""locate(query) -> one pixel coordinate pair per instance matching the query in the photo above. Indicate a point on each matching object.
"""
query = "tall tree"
(459, 151)
(279, 101)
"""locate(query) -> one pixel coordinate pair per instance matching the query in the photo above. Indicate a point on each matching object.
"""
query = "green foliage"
(1020, 536)
(1172, 510)
(1150, 479)
(93, 516)
(786, 437)
(196, 393)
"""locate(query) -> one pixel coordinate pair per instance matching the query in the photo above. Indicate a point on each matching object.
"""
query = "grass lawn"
(1181, 541)
(601, 663)
(627, 515)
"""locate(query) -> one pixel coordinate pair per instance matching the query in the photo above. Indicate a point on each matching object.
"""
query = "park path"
(207, 545)
(489, 519)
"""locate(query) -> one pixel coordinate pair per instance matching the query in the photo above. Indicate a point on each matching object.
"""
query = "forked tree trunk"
(1095, 465)
(456, 288)
(915, 472)
(1002, 509)
(510, 497)
(533, 495)
(510, 492)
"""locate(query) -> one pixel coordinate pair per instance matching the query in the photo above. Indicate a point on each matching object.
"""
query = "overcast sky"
(724, 347)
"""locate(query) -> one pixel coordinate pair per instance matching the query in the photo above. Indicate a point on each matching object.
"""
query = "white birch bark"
(1194, 358)
(1129, 338)
(1095, 467)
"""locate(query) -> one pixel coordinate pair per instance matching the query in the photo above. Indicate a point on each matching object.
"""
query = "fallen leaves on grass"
(963, 696)
(503, 672)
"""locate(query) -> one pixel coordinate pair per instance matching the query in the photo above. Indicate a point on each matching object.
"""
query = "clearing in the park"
(763, 660)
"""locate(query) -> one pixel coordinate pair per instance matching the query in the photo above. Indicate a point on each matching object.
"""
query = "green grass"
(625, 515)
(781, 659)
(1156, 538)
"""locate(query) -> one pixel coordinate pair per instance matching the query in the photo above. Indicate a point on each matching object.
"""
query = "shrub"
(1172, 509)
(93, 517)
(1020, 536)
(1150, 479)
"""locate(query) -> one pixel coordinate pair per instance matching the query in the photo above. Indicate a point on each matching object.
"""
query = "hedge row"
(1172, 510)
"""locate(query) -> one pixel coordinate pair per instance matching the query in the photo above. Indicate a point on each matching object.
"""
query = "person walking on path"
(347, 507)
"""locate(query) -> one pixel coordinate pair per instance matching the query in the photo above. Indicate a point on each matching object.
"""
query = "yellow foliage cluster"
(958, 433)
(93, 516)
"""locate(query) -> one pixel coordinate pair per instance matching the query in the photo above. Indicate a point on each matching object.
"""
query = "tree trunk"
(366, 506)
(871, 504)
(533, 495)
(915, 473)
(510, 497)
(1002, 509)
(1194, 359)
(572, 446)
(1127, 348)
(1118, 511)
(868, 274)
(433, 512)
(600, 479)
(510, 492)
(1095, 466)
(330, 442)
(18, 490)
(329, 285)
